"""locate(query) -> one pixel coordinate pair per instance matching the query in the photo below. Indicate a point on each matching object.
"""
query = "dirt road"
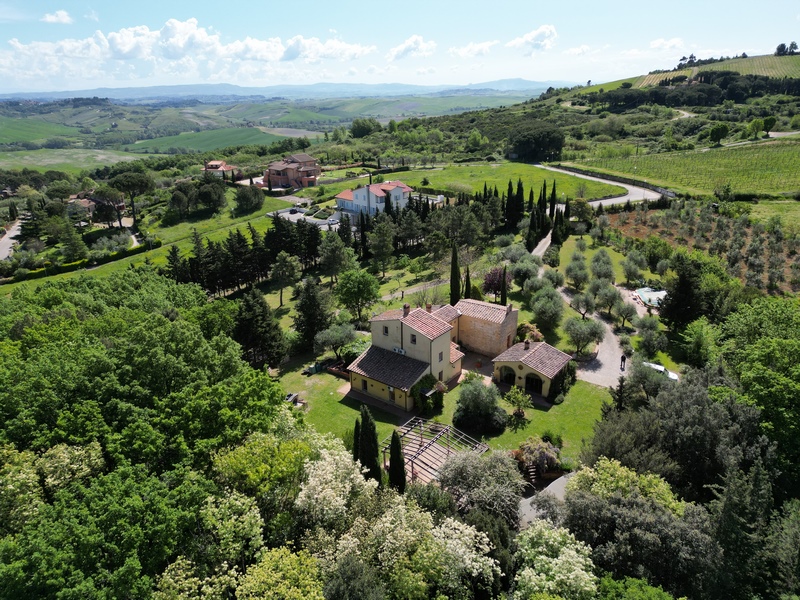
(7, 241)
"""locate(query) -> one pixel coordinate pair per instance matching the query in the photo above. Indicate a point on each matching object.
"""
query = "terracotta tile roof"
(390, 185)
(422, 321)
(345, 195)
(446, 313)
(394, 314)
(455, 353)
(376, 189)
(301, 157)
(389, 367)
(540, 356)
(485, 311)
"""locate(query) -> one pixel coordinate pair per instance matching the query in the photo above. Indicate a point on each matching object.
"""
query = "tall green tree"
(258, 331)
(285, 271)
(312, 312)
(455, 277)
(467, 285)
(368, 446)
(381, 242)
(357, 290)
(356, 438)
(397, 464)
(504, 287)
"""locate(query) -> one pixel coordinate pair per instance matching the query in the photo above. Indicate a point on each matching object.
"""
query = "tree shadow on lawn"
(379, 414)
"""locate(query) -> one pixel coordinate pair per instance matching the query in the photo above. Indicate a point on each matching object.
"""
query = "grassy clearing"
(768, 167)
(204, 141)
(67, 160)
(570, 247)
(787, 210)
(574, 419)
(474, 175)
(329, 410)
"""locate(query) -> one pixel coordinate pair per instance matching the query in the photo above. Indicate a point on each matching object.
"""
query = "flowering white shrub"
(332, 483)
(553, 562)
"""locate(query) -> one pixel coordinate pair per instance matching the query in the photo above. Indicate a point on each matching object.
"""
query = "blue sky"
(71, 45)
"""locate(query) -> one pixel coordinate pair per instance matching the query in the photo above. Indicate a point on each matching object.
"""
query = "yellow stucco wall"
(379, 390)
(390, 341)
(521, 372)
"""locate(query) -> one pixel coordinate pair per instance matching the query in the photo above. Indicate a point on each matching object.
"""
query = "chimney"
(428, 307)
(509, 308)
(406, 309)
(527, 344)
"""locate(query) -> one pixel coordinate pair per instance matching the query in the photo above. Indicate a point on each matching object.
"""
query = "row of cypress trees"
(365, 450)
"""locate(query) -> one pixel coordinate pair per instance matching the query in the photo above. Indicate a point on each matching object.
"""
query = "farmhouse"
(372, 198)
(218, 168)
(294, 171)
(531, 366)
(408, 344)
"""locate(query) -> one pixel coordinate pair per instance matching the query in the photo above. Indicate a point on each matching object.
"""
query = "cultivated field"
(67, 160)
(769, 167)
(204, 141)
(31, 130)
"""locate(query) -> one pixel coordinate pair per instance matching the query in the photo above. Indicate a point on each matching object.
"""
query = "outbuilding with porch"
(531, 366)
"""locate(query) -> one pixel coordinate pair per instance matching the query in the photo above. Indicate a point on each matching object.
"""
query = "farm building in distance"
(294, 171)
(371, 199)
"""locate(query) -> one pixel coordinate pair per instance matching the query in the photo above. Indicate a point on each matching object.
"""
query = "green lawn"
(574, 419)
(787, 210)
(329, 411)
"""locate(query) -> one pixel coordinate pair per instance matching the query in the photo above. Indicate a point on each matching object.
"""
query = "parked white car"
(661, 369)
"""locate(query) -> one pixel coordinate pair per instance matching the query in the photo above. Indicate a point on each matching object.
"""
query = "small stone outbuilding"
(531, 366)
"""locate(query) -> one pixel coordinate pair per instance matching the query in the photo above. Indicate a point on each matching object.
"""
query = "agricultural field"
(768, 167)
(68, 160)
(204, 141)
(30, 130)
(769, 65)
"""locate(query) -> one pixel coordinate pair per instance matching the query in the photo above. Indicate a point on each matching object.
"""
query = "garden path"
(7, 241)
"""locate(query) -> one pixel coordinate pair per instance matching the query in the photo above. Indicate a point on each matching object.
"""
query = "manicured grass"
(203, 141)
(574, 419)
(329, 411)
(474, 175)
(768, 167)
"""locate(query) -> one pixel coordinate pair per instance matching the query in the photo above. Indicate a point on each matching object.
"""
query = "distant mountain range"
(217, 91)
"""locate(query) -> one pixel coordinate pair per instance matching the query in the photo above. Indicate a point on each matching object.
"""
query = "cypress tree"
(530, 237)
(368, 446)
(455, 278)
(553, 201)
(503, 289)
(485, 191)
(397, 464)
(542, 203)
(496, 193)
(467, 285)
(567, 215)
(13, 213)
(530, 200)
(356, 438)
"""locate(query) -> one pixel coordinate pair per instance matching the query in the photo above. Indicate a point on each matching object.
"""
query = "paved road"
(7, 241)
(633, 194)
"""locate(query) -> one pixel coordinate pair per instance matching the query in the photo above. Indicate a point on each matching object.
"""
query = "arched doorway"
(507, 375)
(533, 384)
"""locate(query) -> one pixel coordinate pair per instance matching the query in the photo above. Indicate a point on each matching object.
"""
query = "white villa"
(372, 199)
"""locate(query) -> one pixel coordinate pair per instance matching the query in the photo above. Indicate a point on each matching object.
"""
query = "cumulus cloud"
(313, 50)
(178, 51)
(670, 44)
(473, 49)
(541, 38)
(578, 50)
(60, 16)
(414, 46)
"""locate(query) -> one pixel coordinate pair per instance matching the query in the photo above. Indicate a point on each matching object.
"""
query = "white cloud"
(60, 16)
(670, 44)
(473, 49)
(180, 51)
(312, 49)
(578, 50)
(541, 38)
(92, 16)
(426, 71)
(414, 46)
